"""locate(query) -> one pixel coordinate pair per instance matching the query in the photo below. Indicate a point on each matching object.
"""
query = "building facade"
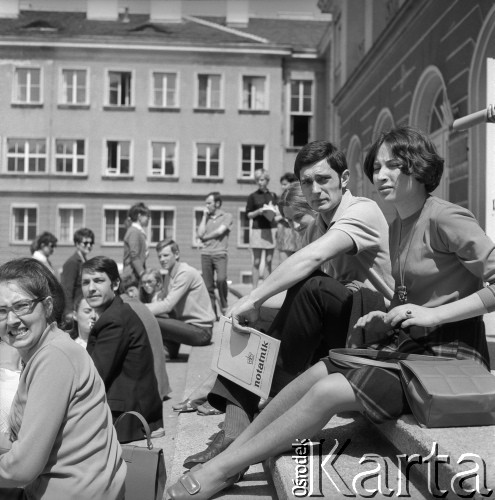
(422, 63)
(105, 108)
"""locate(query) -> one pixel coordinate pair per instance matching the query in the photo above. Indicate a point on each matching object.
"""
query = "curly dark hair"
(417, 154)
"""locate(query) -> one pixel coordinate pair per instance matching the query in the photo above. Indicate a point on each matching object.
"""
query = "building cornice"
(262, 50)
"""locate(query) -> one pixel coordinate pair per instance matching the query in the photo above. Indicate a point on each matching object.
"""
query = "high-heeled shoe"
(188, 487)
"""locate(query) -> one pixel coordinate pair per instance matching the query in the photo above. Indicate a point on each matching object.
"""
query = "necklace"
(402, 288)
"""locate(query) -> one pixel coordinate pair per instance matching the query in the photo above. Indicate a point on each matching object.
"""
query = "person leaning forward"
(185, 314)
(350, 238)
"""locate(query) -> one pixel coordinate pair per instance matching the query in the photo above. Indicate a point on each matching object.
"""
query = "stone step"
(354, 461)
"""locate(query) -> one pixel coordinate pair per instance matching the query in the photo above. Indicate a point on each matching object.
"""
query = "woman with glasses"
(121, 351)
(84, 240)
(42, 248)
(62, 443)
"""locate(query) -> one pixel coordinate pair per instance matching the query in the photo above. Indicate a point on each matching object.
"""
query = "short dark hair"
(36, 280)
(102, 264)
(136, 210)
(167, 242)
(128, 281)
(317, 151)
(217, 197)
(416, 152)
(82, 233)
(289, 177)
(44, 239)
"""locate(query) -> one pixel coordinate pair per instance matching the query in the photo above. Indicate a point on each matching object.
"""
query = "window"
(301, 111)
(209, 91)
(26, 156)
(114, 225)
(74, 86)
(118, 158)
(165, 90)
(24, 224)
(197, 216)
(164, 161)
(253, 92)
(243, 229)
(207, 160)
(69, 220)
(246, 277)
(161, 225)
(27, 86)
(119, 86)
(70, 156)
(252, 159)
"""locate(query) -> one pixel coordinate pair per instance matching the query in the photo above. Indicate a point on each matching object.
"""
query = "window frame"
(26, 158)
(253, 166)
(309, 114)
(266, 103)
(62, 94)
(104, 208)
(24, 206)
(15, 86)
(132, 88)
(163, 175)
(73, 158)
(241, 228)
(162, 208)
(118, 175)
(207, 178)
(221, 105)
(152, 103)
(69, 206)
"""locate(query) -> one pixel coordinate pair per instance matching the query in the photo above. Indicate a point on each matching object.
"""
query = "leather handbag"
(441, 392)
(146, 475)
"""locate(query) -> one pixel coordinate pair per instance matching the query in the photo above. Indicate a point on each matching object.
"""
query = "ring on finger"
(409, 312)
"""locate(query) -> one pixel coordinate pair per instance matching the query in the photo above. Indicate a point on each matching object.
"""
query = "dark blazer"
(71, 281)
(122, 354)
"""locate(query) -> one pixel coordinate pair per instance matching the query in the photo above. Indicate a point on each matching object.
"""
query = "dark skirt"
(380, 390)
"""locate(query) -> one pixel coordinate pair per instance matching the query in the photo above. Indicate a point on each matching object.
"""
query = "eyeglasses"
(87, 243)
(149, 282)
(20, 308)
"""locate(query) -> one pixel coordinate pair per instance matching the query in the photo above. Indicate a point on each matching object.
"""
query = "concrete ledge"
(455, 443)
(350, 438)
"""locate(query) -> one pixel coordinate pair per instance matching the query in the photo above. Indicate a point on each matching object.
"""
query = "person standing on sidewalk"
(135, 244)
(213, 231)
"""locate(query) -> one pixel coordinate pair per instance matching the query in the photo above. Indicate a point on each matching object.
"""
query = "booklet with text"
(246, 359)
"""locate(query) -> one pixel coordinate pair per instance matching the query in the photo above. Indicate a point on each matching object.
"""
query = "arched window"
(431, 112)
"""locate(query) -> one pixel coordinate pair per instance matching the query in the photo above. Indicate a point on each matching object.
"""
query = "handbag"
(146, 474)
(441, 392)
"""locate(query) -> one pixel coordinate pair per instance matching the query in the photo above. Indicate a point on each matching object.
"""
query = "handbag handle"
(381, 359)
(143, 421)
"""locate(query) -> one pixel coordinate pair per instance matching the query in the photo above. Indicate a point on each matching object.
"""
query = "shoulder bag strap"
(143, 421)
(373, 357)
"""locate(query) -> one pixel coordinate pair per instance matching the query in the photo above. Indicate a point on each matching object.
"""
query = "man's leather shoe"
(218, 444)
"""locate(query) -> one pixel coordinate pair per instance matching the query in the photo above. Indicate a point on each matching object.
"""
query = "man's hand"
(375, 326)
(244, 313)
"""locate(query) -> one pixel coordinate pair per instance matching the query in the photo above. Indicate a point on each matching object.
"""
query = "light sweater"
(187, 296)
(63, 441)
